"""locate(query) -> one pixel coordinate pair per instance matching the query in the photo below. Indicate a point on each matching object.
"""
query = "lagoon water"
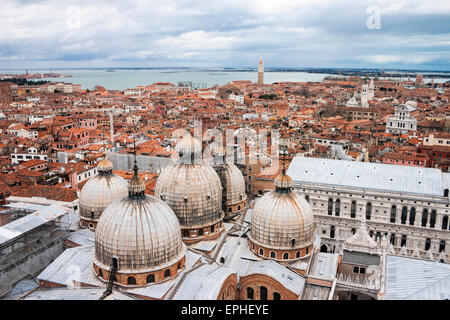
(122, 79)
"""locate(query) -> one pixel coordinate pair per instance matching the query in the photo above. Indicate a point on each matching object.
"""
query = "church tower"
(260, 72)
(365, 95)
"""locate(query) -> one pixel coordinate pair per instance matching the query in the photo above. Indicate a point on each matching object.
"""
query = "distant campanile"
(260, 72)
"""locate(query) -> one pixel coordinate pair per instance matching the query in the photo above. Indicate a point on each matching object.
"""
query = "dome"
(104, 165)
(282, 220)
(189, 150)
(143, 234)
(193, 190)
(99, 192)
(235, 185)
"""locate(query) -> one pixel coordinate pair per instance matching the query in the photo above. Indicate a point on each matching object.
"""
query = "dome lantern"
(136, 188)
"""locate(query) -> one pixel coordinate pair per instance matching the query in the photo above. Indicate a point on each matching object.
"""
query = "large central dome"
(140, 235)
(282, 223)
(193, 190)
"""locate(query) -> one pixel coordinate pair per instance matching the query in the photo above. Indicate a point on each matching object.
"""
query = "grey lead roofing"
(414, 279)
(369, 176)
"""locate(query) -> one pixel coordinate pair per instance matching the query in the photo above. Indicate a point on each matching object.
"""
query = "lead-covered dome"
(233, 196)
(193, 190)
(99, 192)
(235, 185)
(282, 223)
(141, 236)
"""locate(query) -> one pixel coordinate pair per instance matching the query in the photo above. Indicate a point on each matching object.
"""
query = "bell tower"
(260, 71)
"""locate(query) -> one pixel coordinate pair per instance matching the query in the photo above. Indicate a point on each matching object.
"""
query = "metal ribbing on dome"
(101, 190)
(280, 217)
(193, 191)
(143, 234)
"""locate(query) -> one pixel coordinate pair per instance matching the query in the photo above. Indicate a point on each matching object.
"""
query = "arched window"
(368, 211)
(424, 217)
(337, 207)
(393, 213)
(261, 251)
(150, 278)
(332, 232)
(131, 280)
(444, 222)
(378, 236)
(212, 229)
(307, 250)
(179, 265)
(250, 293)
(167, 273)
(222, 260)
(92, 214)
(330, 206)
(353, 209)
(404, 215)
(297, 255)
(285, 256)
(392, 240)
(445, 192)
(200, 232)
(115, 263)
(432, 218)
(239, 207)
(262, 293)
(272, 254)
(307, 198)
(323, 248)
(403, 243)
(100, 273)
(412, 216)
(427, 244)
(229, 209)
(276, 296)
(293, 242)
(441, 246)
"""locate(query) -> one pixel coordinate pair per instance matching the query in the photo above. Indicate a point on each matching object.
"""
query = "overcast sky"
(231, 33)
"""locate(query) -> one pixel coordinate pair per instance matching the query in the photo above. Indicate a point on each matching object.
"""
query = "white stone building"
(402, 121)
(407, 205)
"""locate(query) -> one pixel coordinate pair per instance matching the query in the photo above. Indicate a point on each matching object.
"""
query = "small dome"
(140, 232)
(189, 150)
(235, 185)
(283, 181)
(105, 166)
(100, 191)
(282, 219)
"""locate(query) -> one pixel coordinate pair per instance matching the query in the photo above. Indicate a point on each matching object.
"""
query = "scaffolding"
(27, 253)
